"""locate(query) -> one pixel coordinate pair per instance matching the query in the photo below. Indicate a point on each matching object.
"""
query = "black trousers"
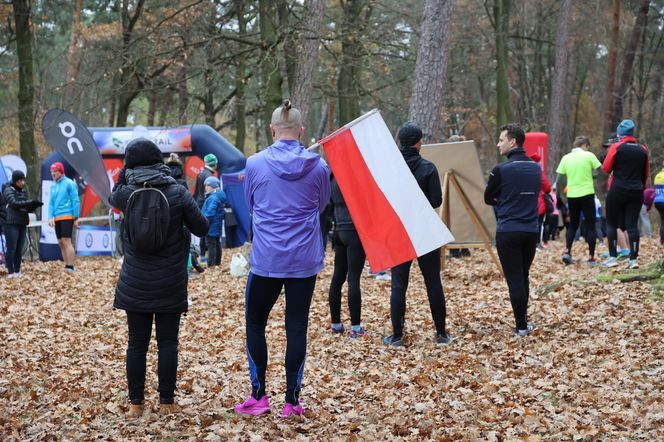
(516, 251)
(140, 330)
(660, 209)
(15, 237)
(214, 250)
(430, 268)
(586, 205)
(349, 260)
(622, 211)
(262, 293)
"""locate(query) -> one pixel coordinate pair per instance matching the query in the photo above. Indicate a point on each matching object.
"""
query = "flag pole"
(345, 127)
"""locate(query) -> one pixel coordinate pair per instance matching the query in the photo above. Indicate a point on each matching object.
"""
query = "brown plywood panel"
(461, 157)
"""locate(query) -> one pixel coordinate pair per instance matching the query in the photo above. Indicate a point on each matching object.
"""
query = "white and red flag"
(393, 218)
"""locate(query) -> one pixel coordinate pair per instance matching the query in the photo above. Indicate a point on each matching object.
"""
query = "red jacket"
(628, 162)
(546, 188)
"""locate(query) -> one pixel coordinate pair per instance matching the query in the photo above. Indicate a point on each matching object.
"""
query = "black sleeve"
(492, 187)
(435, 193)
(192, 215)
(15, 203)
(120, 196)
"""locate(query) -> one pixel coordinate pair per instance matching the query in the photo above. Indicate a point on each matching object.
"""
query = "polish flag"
(393, 218)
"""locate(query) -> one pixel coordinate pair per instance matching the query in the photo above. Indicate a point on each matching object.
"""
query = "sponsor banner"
(113, 142)
(47, 232)
(95, 240)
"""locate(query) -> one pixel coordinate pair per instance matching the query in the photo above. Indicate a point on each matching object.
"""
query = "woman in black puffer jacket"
(18, 206)
(154, 285)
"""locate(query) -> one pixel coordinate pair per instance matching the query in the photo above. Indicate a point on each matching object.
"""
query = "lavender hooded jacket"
(286, 188)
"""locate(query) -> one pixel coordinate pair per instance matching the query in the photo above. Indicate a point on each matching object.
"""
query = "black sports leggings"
(430, 268)
(516, 251)
(140, 330)
(349, 260)
(262, 293)
(660, 209)
(585, 204)
(622, 210)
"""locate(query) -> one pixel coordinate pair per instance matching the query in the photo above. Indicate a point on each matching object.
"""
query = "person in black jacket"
(18, 206)
(426, 175)
(349, 260)
(513, 189)
(3, 219)
(177, 169)
(154, 285)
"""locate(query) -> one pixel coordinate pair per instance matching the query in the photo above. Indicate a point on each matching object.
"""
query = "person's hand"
(51, 223)
(77, 222)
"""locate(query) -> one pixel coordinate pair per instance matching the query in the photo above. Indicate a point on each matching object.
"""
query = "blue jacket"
(63, 202)
(513, 188)
(286, 187)
(213, 210)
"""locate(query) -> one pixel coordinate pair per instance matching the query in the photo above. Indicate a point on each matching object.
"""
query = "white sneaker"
(383, 276)
(611, 261)
(633, 264)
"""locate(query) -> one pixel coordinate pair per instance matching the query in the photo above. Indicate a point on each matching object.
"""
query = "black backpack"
(147, 217)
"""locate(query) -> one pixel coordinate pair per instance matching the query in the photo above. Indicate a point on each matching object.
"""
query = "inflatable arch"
(191, 143)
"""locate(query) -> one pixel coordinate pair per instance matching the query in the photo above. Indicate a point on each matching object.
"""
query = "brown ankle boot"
(135, 411)
(165, 409)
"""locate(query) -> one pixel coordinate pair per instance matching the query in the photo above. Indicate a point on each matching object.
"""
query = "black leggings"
(15, 238)
(262, 293)
(140, 330)
(660, 209)
(430, 268)
(349, 260)
(516, 251)
(622, 211)
(213, 244)
(586, 205)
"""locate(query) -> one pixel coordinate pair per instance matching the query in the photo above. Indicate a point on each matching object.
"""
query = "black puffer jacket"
(3, 206)
(425, 174)
(18, 205)
(157, 282)
(177, 172)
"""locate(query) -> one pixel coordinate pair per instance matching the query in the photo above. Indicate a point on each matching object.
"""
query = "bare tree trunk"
(323, 118)
(73, 61)
(628, 63)
(307, 45)
(152, 107)
(165, 107)
(127, 84)
(183, 95)
(26, 91)
(240, 103)
(356, 14)
(501, 13)
(613, 56)
(270, 71)
(558, 113)
(432, 55)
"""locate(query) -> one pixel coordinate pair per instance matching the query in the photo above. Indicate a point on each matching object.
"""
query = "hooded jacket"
(157, 282)
(213, 210)
(425, 174)
(63, 202)
(177, 172)
(628, 162)
(286, 188)
(513, 188)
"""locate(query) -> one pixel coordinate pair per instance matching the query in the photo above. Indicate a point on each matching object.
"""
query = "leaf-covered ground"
(594, 369)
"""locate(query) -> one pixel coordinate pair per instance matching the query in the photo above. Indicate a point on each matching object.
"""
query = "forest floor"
(593, 370)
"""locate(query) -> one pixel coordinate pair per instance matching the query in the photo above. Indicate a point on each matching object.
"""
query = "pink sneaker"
(292, 410)
(253, 407)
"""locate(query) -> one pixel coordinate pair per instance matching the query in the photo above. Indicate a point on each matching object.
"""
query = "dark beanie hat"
(142, 152)
(409, 134)
(17, 175)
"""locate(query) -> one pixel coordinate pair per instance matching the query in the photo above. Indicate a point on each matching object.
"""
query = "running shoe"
(336, 330)
(567, 259)
(393, 341)
(443, 339)
(611, 261)
(383, 276)
(292, 410)
(592, 263)
(354, 334)
(527, 331)
(253, 407)
(633, 264)
(623, 254)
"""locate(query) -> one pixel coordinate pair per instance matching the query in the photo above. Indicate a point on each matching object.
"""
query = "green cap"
(210, 160)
